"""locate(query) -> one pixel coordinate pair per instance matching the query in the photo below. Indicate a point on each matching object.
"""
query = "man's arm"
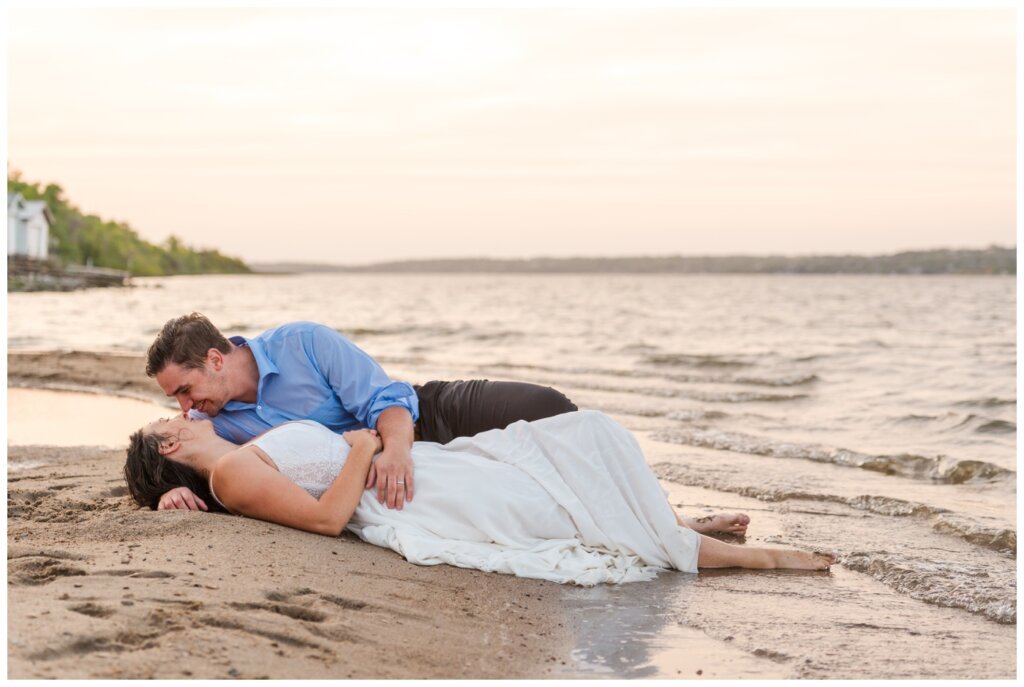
(391, 407)
(394, 464)
(358, 381)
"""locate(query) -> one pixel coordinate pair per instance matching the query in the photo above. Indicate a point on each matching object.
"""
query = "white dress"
(567, 499)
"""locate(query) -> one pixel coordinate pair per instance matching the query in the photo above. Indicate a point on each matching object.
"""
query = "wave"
(403, 330)
(637, 348)
(694, 360)
(495, 336)
(997, 427)
(988, 402)
(602, 371)
(865, 343)
(979, 424)
(361, 332)
(911, 417)
(994, 538)
(1001, 539)
(919, 580)
(728, 397)
(696, 414)
(785, 380)
(737, 396)
(780, 381)
(983, 425)
(937, 469)
(707, 396)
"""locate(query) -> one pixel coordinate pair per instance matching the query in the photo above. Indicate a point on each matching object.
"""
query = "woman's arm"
(247, 485)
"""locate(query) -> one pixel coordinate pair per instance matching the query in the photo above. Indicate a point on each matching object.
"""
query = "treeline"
(991, 260)
(80, 239)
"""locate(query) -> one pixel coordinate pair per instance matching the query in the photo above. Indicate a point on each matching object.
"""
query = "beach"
(98, 588)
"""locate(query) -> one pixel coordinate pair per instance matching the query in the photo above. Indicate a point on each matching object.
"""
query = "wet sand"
(98, 588)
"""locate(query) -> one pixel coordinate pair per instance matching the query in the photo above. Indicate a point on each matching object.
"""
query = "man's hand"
(181, 498)
(391, 471)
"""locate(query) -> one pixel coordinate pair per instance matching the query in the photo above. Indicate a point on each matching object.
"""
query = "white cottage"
(28, 227)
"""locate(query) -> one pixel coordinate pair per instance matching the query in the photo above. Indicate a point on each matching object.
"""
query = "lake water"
(889, 398)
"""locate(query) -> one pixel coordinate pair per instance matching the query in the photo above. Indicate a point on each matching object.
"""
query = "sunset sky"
(354, 136)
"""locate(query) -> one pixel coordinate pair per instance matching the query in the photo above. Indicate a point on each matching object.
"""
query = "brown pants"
(465, 408)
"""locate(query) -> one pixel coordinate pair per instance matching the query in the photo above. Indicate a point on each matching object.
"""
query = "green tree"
(81, 239)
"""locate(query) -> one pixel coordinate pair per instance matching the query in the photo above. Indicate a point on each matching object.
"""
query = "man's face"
(204, 389)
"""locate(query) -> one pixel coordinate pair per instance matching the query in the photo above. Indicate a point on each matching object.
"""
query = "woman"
(568, 498)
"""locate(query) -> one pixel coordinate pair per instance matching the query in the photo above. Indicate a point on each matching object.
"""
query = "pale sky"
(353, 136)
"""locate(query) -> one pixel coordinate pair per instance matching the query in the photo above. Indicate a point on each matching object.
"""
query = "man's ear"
(169, 446)
(216, 359)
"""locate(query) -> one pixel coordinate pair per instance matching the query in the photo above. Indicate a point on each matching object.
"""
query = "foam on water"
(976, 530)
(941, 584)
(935, 468)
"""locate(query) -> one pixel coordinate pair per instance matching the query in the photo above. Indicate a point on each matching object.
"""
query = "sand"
(99, 588)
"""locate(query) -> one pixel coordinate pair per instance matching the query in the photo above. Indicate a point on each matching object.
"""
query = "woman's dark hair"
(150, 475)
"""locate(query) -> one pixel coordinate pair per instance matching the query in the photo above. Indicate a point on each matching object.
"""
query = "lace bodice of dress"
(305, 452)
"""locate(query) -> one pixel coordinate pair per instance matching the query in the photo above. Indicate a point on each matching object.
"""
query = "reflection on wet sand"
(637, 631)
(70, 418)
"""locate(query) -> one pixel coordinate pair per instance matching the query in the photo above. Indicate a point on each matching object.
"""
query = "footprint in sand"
(40, 569)
(92, 610)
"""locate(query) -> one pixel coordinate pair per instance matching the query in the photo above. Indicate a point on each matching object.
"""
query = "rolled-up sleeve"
(394, 394)
(360, 383)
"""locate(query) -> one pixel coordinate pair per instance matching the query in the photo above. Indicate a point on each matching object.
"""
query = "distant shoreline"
(993, 260)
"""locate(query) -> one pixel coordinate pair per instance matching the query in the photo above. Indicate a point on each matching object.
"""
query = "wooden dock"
(28, 274)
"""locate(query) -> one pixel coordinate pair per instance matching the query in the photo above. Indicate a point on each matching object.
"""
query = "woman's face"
(175, 426)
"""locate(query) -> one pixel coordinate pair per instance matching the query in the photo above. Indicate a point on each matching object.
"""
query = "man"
(304, 370)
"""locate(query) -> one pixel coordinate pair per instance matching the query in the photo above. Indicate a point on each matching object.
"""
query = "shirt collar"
(264, 364)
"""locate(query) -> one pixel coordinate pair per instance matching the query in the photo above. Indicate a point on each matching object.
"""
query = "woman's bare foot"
(801, 560)
(727, 523)
(719, 554)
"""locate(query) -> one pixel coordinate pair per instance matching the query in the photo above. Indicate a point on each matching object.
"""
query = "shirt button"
(259, 407)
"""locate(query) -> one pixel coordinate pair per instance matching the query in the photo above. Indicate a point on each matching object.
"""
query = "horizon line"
(990, 247)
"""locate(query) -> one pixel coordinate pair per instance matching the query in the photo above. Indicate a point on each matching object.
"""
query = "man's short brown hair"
(184, 341)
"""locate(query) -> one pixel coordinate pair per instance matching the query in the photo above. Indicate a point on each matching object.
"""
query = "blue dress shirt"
(310, 372)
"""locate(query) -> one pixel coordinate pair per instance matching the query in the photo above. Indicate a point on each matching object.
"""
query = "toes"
(739, 522)
(825, 560)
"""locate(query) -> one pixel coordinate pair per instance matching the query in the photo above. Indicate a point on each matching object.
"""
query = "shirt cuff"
(395, 394)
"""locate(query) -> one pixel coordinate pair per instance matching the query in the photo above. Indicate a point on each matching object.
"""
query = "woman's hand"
(355, 436)
(181, 498)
